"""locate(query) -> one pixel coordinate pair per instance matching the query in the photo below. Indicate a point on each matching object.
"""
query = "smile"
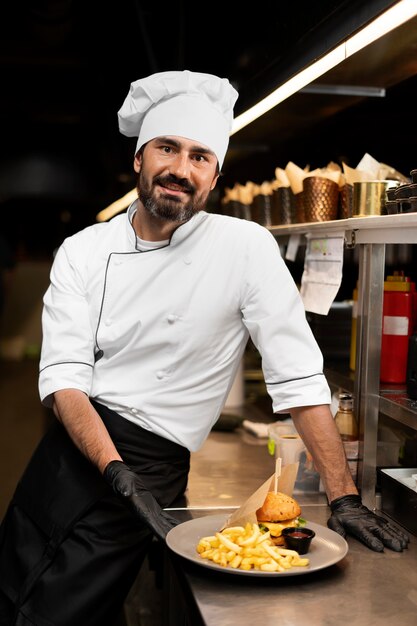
(173, 189)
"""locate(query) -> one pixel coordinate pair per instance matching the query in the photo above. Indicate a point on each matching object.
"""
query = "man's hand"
(350, 516)
(127, 485)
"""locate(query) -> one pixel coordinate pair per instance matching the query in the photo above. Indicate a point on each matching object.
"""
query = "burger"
(277, 512)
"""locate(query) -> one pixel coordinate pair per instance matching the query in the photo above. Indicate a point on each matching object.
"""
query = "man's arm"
(318, 430)
(88, 432)
(85, 427)
(349, 516)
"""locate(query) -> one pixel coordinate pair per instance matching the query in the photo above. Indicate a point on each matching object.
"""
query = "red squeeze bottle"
(397, 326)
(414, 306)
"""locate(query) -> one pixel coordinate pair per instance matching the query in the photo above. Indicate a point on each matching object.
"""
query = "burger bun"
(278, 507)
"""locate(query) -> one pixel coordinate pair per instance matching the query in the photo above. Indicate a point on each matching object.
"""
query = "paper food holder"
(247, 512)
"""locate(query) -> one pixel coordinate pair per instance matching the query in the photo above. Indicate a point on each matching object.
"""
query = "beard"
(168, 208)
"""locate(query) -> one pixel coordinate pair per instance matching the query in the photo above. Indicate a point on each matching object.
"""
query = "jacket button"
(159, 374)
(134, 411)
(108, 322)
(171, 318)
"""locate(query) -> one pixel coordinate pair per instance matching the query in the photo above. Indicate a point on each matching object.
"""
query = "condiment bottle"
(397, 326)
(348, 429)
(345, 419)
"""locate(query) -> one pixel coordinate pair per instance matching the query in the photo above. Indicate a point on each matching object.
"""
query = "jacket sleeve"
(274, 315)
(67, 356)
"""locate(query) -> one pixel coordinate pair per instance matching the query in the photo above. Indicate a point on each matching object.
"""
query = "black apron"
(69, 548)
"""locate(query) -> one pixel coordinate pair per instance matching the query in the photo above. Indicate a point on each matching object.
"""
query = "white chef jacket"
(157, 336)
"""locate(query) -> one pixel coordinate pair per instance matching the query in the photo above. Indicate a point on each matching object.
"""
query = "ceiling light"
(294, 84)
(393, 17)
(117, 207)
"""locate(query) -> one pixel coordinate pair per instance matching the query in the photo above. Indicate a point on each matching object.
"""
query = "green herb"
(302, 521)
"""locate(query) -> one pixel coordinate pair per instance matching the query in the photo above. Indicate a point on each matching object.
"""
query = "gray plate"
(327, 547)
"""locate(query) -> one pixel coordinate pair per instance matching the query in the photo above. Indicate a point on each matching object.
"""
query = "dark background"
(66, 67)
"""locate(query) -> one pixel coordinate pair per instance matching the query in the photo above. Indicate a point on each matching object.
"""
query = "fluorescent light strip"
(117, 206)
(387, 21)
(289, 88)
(393, 17)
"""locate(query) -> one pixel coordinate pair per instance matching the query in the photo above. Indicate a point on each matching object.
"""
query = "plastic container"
(411, 205)
(285, 442)
(275, 431)
(391, 193)
(298, 539)
(392, 207)
(403, 191)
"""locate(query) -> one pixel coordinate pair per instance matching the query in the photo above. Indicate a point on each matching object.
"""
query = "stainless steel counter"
(364, 589)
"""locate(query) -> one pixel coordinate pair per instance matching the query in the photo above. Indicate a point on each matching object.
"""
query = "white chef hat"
(187, 104)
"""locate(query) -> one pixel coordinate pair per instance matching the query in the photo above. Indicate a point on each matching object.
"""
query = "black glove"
(128, 485)
(350, 516)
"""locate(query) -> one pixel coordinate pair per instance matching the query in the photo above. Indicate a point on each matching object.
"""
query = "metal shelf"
(399, 407)
(392, 403)
(370, 234)
(400, 228)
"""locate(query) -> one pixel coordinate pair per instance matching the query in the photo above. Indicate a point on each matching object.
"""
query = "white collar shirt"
(158, 336)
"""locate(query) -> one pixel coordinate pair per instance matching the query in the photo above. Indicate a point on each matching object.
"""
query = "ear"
(214, 182)
(137, 163)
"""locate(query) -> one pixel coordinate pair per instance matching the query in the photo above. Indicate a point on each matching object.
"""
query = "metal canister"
(321, 199)
(369, 197)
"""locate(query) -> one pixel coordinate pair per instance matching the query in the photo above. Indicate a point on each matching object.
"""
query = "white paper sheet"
(292, 248)
(322, 274)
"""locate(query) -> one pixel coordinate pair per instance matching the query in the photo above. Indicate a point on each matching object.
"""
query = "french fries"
(248, 548)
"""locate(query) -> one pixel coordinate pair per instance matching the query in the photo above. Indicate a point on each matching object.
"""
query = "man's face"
(175, 178)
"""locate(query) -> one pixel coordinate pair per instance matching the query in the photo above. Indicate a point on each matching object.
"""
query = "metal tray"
(399, 495)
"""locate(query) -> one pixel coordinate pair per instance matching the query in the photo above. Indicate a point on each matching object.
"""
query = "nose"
(180, 165)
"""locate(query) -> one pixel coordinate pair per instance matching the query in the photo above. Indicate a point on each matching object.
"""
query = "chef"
(145, 323)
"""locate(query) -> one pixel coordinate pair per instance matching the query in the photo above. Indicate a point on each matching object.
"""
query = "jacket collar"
(179, 234)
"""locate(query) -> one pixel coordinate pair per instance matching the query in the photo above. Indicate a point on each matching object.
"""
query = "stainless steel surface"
(230, 467)
(364, 589)
(399, 407)
(220, 473)
(371, 281)
(400, 228)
